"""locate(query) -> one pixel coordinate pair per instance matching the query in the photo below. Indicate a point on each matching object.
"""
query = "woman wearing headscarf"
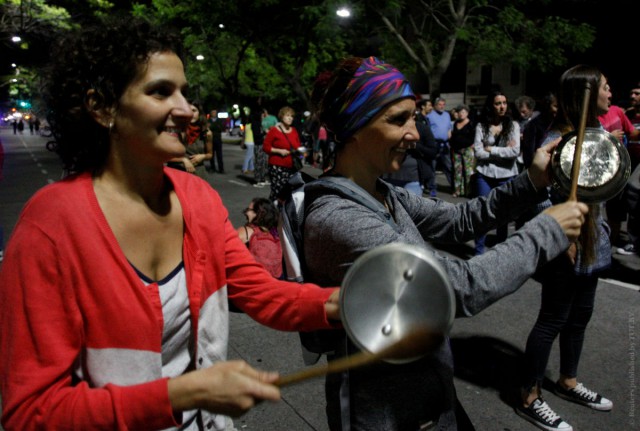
(369, 105)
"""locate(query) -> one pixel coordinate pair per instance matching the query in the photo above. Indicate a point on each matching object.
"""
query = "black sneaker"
(582, 395)
(540, 414)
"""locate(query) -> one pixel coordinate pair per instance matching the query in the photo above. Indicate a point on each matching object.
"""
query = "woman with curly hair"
(496, 146)
(115, 288)
(260, 234)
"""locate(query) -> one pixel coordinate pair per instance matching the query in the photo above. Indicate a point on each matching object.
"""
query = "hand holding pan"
(396, 304)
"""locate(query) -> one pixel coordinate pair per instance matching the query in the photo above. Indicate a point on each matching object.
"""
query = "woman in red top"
(278, 144)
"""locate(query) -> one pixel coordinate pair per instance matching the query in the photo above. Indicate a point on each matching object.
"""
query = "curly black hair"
(106, 58)
(266, 214)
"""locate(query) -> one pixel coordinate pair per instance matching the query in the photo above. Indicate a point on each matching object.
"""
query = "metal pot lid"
(605, 165)
(389, 291)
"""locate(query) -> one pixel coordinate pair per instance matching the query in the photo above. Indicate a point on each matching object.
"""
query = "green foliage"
(531, 43)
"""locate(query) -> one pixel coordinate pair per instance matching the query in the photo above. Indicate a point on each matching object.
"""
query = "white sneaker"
(627, 250)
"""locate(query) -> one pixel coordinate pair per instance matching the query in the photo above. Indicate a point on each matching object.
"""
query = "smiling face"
(384, 141)
(152, 112)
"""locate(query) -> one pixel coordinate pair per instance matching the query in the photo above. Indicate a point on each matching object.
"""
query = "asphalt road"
(487, 347)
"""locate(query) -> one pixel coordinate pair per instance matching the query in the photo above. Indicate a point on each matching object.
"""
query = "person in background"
(259, 156)
(216, 126)
(408, 176)
(248, 164)
(525, 106)
(616, 122)
(268, 121)
(633, 221)
(260, 234)
(537, 128)
(370, 107)
(425, 145)
(424, 107)
(461, 143)
(569, 282)
(441, 126)
(496, 147)
(533, 138)
(116, 282)
(280, 145)
(198, 141)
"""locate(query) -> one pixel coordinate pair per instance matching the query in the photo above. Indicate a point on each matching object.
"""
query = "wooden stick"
(415, 343)
(575, 168)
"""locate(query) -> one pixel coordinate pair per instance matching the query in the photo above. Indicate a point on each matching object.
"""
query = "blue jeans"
(483, 185)
(412, 186)
(248, 165)
(565, 309)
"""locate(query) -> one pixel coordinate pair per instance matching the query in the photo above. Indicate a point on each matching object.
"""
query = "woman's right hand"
(229, 388)
(570, 215)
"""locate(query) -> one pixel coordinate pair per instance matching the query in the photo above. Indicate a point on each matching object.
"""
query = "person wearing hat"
(369, 106)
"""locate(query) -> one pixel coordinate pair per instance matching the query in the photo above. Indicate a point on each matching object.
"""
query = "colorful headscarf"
(374, 85)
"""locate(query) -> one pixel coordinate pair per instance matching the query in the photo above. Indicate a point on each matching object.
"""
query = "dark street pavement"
(487, 347)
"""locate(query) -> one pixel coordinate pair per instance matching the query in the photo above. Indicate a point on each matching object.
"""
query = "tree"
(36, 22)
(252, 49)
(432, 32)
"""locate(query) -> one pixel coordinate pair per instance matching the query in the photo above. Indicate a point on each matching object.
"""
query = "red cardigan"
(80, 333)
(276, 139)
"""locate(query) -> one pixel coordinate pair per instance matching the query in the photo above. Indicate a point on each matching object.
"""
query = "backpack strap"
(333, 184)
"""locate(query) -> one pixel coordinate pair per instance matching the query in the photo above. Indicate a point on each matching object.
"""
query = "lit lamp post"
(343, 12)
(199, 58)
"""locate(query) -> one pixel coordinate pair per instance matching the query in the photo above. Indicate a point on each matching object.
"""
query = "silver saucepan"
(605, 166)
(389, 292)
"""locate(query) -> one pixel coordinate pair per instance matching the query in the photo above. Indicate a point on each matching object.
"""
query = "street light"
(343, 12)
(16, 39)
(199, 57)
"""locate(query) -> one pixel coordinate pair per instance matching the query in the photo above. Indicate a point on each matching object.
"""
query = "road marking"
(238, 183)
(621, 284)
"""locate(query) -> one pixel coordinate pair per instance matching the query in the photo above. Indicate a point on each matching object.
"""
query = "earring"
(110, 126)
